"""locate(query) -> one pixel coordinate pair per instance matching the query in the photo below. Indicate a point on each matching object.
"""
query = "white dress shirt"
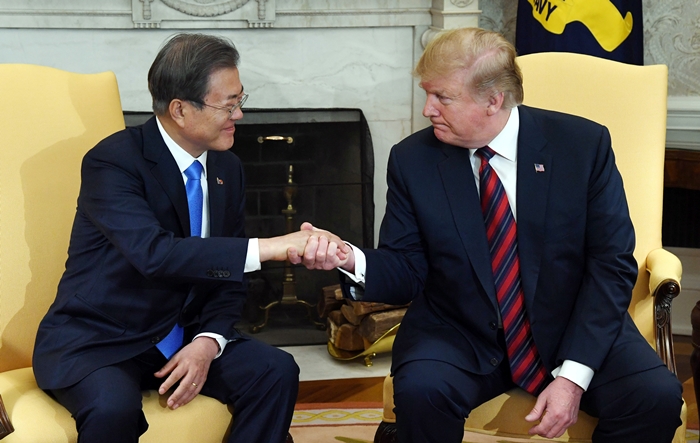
(184, 160)
(505, 165)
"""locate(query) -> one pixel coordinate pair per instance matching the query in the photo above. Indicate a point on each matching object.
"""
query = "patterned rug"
(357, 423)
(329, 422)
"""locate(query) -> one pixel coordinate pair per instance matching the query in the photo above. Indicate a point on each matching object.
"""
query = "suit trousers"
(432, 399)
(260, 382)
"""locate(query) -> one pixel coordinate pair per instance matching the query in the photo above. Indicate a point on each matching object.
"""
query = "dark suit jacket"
(575, 241)
(131, 262)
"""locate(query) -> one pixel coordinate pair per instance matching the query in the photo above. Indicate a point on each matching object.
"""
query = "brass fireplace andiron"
(289, 295)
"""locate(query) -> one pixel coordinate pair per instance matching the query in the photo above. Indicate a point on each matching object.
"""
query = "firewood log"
(374, 325)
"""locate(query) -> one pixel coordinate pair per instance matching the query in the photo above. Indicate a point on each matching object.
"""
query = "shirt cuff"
(360, 265)
(252, 257)
(219, 339)
(575, 372)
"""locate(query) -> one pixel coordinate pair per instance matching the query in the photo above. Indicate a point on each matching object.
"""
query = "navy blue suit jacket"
(575, 241)
(131, 262)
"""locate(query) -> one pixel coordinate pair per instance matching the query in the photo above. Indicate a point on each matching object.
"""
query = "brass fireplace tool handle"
(275, 138)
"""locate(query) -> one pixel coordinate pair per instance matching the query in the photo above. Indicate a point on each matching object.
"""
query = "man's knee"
(665, 395)
(284, 369)
(277, 368)
(640, 407)
(107, 418)
(416, 386)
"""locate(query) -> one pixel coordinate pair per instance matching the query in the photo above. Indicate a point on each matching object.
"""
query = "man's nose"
(237, 114)
(429, 109)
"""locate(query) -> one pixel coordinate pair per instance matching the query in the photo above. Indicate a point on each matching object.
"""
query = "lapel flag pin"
(219, 181)
(539, 167)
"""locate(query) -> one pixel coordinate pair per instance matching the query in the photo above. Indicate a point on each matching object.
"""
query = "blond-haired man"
(507, 229)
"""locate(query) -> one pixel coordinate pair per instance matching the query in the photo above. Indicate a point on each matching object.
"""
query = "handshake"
(312, 247)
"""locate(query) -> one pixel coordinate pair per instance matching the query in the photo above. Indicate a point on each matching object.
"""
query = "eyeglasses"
(232, 109)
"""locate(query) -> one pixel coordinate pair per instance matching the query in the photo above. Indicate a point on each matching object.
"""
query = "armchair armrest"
(665, 272)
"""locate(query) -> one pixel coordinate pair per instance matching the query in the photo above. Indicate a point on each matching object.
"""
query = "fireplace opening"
(314, 165)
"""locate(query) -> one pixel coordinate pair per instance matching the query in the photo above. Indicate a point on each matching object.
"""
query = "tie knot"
(194, 172)
(486, 153)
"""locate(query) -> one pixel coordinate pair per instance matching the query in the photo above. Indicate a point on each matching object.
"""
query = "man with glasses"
(154, 282)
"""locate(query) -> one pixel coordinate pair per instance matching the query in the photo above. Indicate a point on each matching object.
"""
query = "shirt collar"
(182, 157)
(506, 142)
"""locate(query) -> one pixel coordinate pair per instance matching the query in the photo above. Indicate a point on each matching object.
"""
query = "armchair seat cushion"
(38, 418)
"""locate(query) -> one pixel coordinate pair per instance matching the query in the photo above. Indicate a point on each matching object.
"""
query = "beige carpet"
(357, 423)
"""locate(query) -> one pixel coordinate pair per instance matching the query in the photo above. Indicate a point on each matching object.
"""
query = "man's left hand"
(556, 408)
(190, 365)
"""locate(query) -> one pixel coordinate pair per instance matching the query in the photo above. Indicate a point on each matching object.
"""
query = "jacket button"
(210, 273)
(493, 325)
(494, 361)
(227, 274)
(155, 340)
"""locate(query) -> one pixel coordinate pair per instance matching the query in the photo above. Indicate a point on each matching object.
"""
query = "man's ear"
(495, 103)
(177, 112)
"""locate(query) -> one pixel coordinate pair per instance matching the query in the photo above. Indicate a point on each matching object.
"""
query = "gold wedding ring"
(194, 384)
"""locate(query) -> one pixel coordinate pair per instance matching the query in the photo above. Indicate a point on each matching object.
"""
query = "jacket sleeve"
(397, 270)
(610, 268)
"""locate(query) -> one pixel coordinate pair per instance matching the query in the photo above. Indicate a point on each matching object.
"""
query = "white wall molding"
(228, 14)
(683, 123)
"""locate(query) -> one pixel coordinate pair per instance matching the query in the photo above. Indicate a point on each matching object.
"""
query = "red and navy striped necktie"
(526, 366)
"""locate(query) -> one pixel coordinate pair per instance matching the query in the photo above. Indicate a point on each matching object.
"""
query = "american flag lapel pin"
(539, 167)
(219, 181)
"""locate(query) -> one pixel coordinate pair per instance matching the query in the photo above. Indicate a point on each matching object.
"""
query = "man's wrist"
(211, 343)
(575, 372)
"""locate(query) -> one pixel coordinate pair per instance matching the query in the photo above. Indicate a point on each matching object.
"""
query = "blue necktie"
(173, 341)
(194, 197)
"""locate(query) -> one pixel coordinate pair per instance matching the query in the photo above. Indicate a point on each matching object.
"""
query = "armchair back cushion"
(631, 101)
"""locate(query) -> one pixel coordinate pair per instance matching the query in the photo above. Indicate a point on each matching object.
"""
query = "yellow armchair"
(631, 101)
(49, 118)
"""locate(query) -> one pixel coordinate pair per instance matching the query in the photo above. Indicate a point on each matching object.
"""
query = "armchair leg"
(695, 356)
(663, 296)
(5, 424)
(386, 433)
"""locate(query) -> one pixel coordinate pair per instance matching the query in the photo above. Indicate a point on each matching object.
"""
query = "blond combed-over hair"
(487, 58)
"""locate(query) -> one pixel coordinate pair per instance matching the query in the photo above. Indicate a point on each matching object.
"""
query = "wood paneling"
(682, 169)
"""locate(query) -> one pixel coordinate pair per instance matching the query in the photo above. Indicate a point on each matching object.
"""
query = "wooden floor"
(682, 347)
(370, 389)
(337, 391)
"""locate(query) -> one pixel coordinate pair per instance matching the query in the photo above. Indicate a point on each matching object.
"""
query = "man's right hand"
(323, 250)
(276, 248)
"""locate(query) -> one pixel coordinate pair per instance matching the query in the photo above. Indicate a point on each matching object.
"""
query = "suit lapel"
(458, 181)
(164, 166)
(534, 171)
